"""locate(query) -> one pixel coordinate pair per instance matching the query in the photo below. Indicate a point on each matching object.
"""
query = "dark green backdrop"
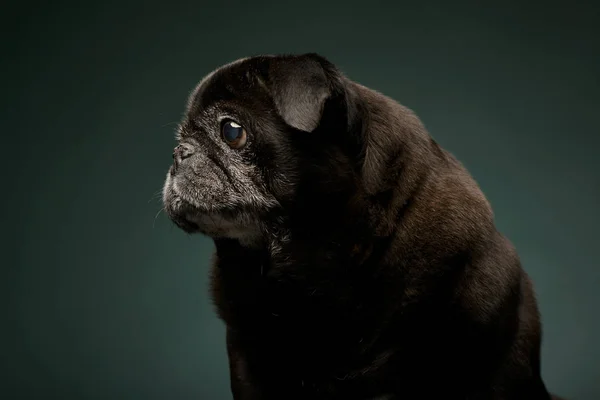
(105, 301)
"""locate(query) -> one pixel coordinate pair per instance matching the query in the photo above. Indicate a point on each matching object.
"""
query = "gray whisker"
(156, 216)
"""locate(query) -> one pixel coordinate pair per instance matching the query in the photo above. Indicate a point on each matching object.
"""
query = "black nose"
(180, 153)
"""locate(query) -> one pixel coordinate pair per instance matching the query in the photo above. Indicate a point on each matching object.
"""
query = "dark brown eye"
(233, 134)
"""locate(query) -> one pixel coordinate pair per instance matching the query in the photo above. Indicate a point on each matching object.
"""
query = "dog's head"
(262, 136)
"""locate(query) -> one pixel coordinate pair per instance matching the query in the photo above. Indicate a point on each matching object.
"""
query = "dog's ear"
(300, 87)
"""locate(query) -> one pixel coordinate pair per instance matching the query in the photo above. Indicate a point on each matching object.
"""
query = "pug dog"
(355, 258)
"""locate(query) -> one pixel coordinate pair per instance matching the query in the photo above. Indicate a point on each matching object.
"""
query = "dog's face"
(247, 140)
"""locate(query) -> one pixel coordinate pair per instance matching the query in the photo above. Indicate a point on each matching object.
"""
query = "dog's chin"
(218, 226)
(179, 210)
(214, 221)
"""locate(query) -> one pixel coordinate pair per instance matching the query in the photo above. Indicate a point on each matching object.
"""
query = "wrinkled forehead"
(240, 80)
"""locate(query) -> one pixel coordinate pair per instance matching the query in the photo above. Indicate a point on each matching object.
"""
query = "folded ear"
(299, 87)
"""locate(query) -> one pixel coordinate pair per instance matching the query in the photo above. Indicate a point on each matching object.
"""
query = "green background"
(105, 301)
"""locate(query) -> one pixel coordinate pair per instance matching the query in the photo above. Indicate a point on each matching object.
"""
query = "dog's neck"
(282, 240)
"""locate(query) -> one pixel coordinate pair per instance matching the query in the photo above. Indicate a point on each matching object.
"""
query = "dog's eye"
(233, 134)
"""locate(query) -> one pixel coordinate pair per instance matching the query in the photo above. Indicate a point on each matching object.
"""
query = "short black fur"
(355, 258)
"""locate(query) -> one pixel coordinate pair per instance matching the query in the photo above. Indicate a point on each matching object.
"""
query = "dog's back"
(456, 267)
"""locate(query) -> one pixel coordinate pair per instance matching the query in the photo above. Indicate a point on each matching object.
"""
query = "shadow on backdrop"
(106, 301)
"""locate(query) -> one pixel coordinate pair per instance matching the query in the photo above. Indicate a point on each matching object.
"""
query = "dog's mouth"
(193, 219)
(182, 213)
(215, 220)
(181, 206)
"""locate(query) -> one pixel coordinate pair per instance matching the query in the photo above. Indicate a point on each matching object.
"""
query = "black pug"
(355, 258)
